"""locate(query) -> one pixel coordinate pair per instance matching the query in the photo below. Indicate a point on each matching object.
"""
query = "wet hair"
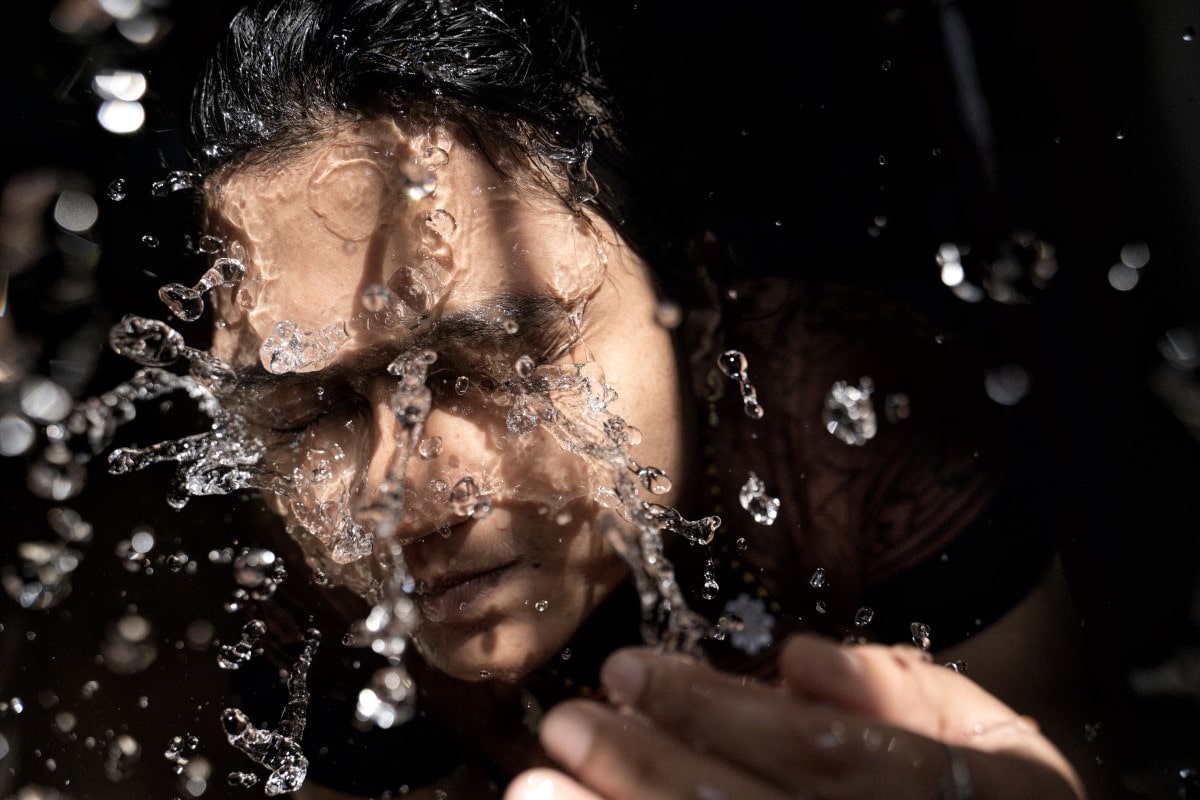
(514, 75)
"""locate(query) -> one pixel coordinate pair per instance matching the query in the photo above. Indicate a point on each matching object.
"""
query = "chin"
(507, 650)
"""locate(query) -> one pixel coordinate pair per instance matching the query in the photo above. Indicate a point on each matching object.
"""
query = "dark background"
(767, 122)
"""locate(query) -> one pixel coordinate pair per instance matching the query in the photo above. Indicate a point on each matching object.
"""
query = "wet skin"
(501, 593)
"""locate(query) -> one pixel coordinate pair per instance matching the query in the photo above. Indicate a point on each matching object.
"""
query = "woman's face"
(363, 258)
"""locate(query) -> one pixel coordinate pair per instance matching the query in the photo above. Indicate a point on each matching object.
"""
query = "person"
(468, 361)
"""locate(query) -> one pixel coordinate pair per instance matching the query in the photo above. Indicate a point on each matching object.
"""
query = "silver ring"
(957, 783)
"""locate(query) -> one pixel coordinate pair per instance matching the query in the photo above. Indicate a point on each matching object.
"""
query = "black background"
(767, 122)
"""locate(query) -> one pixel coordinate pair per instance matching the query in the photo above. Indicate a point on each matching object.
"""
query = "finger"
(546, 784)
(787, 742)
(621, 757)
(717, 713)
(896, 684)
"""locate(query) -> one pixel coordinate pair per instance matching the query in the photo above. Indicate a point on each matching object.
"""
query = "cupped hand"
(862, 721)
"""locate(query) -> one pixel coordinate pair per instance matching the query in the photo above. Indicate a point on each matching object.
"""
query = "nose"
(401, 477)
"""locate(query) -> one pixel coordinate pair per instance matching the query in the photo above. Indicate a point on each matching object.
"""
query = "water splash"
(180, 751)
(572, 403)
(41, 576)
(187, 303)
(849, 413)
(259, 571)
(176, 181)
(289, 349)
(582, 184)
(153, 343)
(733, 363)
(389, 698)
(1011, 272)
(920, 633)
(467, 501)
(233, 656)
(279, 750)
(754, 498)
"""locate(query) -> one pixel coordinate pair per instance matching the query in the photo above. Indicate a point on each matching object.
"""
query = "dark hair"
(515, 75)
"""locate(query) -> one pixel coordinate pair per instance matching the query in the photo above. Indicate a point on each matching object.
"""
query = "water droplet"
(525, 367)
(1122, 277)
(920, 635)
(541, 605)
(278, 750)
(466, 500)
(43, 400)
(733, 363)
(118, 190)
(763, 508)
(16, 435)
(1007, 384)
(886, 64)
(741, 543)
(1120, 136)
(183, 301)
(243, 780)
(655, 480)
(150, 241)
(461, 384)
(1189, 34)
(148, 342)
(849, 413)
(668, 314)
(123, 754)
(233, 656)
(433, 158)
(1135, 255)
(863, 617)
(376, 298)
(442, 223)
(430, 448)
(896, 407)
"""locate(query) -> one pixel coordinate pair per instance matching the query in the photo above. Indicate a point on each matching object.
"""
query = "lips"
(457, 595)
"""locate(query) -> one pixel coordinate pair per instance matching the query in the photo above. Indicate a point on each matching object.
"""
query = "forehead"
(369, 235)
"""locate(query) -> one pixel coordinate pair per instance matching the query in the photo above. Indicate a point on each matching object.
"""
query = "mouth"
(457, 595)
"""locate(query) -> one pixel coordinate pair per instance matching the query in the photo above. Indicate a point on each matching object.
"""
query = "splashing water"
(389, 626)
(733, 363)
(187, 303)
(153, 343)
(233, 656)
(582, 183)
(849, 413)
(279, 750)
(289, 349)
(1015, 269)
(180, 751)
(754, 498)
(920, 633)
(570, 402)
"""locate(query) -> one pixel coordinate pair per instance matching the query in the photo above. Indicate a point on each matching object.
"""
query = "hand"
(863, 721)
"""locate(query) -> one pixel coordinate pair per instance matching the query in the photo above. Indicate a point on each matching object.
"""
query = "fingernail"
(567, 734)
(535, 785)
(623, 674)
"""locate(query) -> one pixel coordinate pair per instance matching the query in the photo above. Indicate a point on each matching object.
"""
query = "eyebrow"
(545, 328)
